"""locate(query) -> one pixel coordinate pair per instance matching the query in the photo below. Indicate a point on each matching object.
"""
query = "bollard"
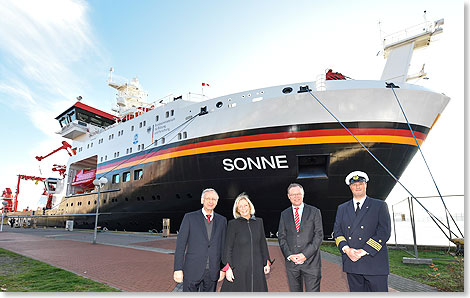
(166, 227)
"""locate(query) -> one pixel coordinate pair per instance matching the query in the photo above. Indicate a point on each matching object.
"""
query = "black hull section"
(172, 187)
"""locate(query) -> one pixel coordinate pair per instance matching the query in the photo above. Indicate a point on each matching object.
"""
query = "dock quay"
(143, 262)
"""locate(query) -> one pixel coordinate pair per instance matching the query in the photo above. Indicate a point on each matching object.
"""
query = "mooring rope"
(433, 217)
(391, 86)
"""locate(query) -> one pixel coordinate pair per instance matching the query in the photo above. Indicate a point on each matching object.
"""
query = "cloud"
(47, 51)
(43, 43)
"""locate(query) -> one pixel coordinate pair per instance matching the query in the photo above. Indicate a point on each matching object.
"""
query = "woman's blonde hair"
(242, 196)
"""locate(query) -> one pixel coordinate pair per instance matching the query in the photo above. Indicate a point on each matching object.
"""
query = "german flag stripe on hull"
(265, 140)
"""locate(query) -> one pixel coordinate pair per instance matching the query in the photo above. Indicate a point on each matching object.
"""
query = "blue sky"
(52, 51)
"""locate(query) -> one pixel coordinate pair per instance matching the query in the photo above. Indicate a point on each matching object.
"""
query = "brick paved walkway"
(136, 263)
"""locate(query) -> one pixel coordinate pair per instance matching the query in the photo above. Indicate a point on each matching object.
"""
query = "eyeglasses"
(295, 194)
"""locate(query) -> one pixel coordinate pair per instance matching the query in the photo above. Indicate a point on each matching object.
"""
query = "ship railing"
(164, 100)
(396, 37)
(196, 97)
(320, 82)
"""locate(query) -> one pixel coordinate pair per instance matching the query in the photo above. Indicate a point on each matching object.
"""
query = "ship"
(158, 157)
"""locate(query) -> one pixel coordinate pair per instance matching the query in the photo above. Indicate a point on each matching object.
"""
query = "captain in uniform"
(362, 229)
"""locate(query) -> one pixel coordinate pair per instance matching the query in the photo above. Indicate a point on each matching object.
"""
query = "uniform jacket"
(306, 241)
(369, 230)
(193, 246)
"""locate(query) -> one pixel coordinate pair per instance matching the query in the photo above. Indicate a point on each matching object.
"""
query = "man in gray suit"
(300, 235)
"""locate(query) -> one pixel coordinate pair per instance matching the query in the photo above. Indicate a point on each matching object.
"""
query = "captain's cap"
(356, 176)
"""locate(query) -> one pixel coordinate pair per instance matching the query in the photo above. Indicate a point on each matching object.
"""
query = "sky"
(52, 51)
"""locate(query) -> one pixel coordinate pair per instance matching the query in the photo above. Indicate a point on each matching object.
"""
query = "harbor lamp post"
(4, 203)
(98, 182)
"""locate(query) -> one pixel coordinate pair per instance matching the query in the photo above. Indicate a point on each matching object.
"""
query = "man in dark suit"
(300, 235)
(199, 247)
(362, 229)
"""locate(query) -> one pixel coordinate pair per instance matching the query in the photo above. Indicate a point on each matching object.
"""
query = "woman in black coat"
(246, 252)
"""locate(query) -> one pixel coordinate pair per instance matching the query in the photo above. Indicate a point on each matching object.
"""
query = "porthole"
(287, 90)
(219, 104)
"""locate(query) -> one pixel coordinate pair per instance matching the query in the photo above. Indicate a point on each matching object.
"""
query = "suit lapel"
(215, 222)
(350, 211)
(291, 221)
(305, 215)
(202, 225)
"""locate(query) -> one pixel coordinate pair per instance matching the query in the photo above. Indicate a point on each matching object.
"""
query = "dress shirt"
(361, 202)
(205, 213)
(301, 209)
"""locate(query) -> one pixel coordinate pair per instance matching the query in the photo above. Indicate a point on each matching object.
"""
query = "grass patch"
(23, 274)
(446, 276)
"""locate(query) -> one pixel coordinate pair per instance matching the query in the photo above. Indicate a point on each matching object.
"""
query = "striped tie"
(297, 219)
(208, 218)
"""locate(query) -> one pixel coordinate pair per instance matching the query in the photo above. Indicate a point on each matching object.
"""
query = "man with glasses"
(199, 247)
(300, 235)
(362, 229)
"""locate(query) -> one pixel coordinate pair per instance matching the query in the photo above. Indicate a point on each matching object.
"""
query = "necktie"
(358, 208)
(297, 219)
(208, 217)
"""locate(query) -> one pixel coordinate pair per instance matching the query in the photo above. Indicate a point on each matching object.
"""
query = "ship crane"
(60, 168)
(66, 146)
(25, 177)
(8, 197)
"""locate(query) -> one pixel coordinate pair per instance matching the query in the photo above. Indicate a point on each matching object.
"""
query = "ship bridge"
(75, 121)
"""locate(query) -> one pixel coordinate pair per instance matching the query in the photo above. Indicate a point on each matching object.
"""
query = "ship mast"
(131, 99)
(398, 49)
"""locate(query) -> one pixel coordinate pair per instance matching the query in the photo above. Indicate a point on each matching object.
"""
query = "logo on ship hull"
(255, 163)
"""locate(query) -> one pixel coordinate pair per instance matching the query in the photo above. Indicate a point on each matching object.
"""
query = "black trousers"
(298, 277)
(367, 283)
(203, 285)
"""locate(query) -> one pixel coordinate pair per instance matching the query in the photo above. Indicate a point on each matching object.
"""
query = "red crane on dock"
(49, 190)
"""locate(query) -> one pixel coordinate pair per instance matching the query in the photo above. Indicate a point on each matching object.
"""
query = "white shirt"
(205, 213)
(301, 209)
(361, 202)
